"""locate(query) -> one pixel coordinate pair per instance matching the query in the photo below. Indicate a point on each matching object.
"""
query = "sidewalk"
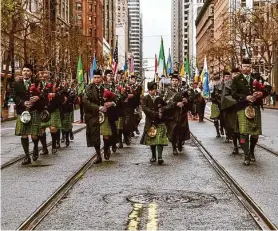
(275, 106)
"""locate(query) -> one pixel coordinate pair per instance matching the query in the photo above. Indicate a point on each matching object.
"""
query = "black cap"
(108, 72)
(152, 85)
(175, 76)
(226, 73)
(98, 72)
(246, 61)
(120, 72)
(28, 65)
(235, 70)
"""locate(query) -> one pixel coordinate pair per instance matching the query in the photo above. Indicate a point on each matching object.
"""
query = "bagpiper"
(28, 108)
(96, 118)
(249, 93)
(154, 134)
(177, 109)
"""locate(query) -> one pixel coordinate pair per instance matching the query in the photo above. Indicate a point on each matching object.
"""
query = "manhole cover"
(190, 199)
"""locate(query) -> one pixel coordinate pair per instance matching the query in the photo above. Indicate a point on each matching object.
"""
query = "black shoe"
(175, 152)
(44, 152)
(114, 148)
(246, 161)
(27, 160)
(160, 161)
(120, 145)
(127, 141)
(222, 132)
(235, 150)
(107, 154)
(98, 160)
(35, 155)
(252, 157)
(137, 132)
(54, 151)
(71, 136)
(132, 134)
(67, 143)
(152, 160)
(180, 147)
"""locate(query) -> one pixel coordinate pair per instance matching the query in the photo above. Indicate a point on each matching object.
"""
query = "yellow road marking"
(152, 217)
(134, 217)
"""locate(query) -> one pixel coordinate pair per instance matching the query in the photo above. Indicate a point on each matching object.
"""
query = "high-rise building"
(177, 31)
(194, 9)
(135, 34)
(186, 4)
(109, 21)
(88, 15)
(122, 30)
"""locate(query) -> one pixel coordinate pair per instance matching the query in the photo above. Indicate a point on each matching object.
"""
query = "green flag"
(187, 66)
(79, 75)
(161, 60)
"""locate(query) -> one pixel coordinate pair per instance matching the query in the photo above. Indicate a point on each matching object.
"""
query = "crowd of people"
(113, 106)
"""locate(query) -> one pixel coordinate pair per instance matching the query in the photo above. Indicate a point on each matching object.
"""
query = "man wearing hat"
(249, 96)
(26, 101)
(154, 134)
(176, 110)
(94, 105)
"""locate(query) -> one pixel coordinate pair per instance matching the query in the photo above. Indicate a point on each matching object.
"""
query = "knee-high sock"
(53, 136)
(153, 148)
(36, 143)
(244, 141)
(58, 135)
(159, 151)
(25, 145)
(235, 138)
(43, 141)
(253, 142)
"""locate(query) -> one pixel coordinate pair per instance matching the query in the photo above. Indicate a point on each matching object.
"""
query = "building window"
(243, 3)
(79, 6)
(90, 31)
(90, 7)
(90, 20)
(79, 19)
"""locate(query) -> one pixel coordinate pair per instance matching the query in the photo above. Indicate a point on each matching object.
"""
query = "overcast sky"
(156, 22)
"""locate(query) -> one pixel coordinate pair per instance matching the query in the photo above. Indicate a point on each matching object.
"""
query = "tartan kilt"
(32, 128)
(215, 111)
(67, 121)
(120, 123)
(249, 126)
(160, 138)
(55, 120)
(105, 128)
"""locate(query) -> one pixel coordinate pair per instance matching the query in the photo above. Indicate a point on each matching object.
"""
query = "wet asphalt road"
(127, 191)
(185, 193)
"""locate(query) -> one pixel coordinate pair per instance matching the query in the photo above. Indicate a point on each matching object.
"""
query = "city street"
(127, 191)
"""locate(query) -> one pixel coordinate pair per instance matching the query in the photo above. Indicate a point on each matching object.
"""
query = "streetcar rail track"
(21, 157)
(255, 211)
(259, 145)
(36, 217)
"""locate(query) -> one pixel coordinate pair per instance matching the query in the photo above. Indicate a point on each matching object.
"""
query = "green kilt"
(120, 123)
(160, 138)
(55, 120)
(105, 128)
(67, 122)
(215, 111)
(249, 126)
(32, 128)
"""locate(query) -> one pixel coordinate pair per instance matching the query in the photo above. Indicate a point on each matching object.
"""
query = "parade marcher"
(95, 118)
(154, 134)
(27, 98)
(227, 106)
(201, 103)
(176, 110)
(249, 93)
(55, 99)
(215, 106)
